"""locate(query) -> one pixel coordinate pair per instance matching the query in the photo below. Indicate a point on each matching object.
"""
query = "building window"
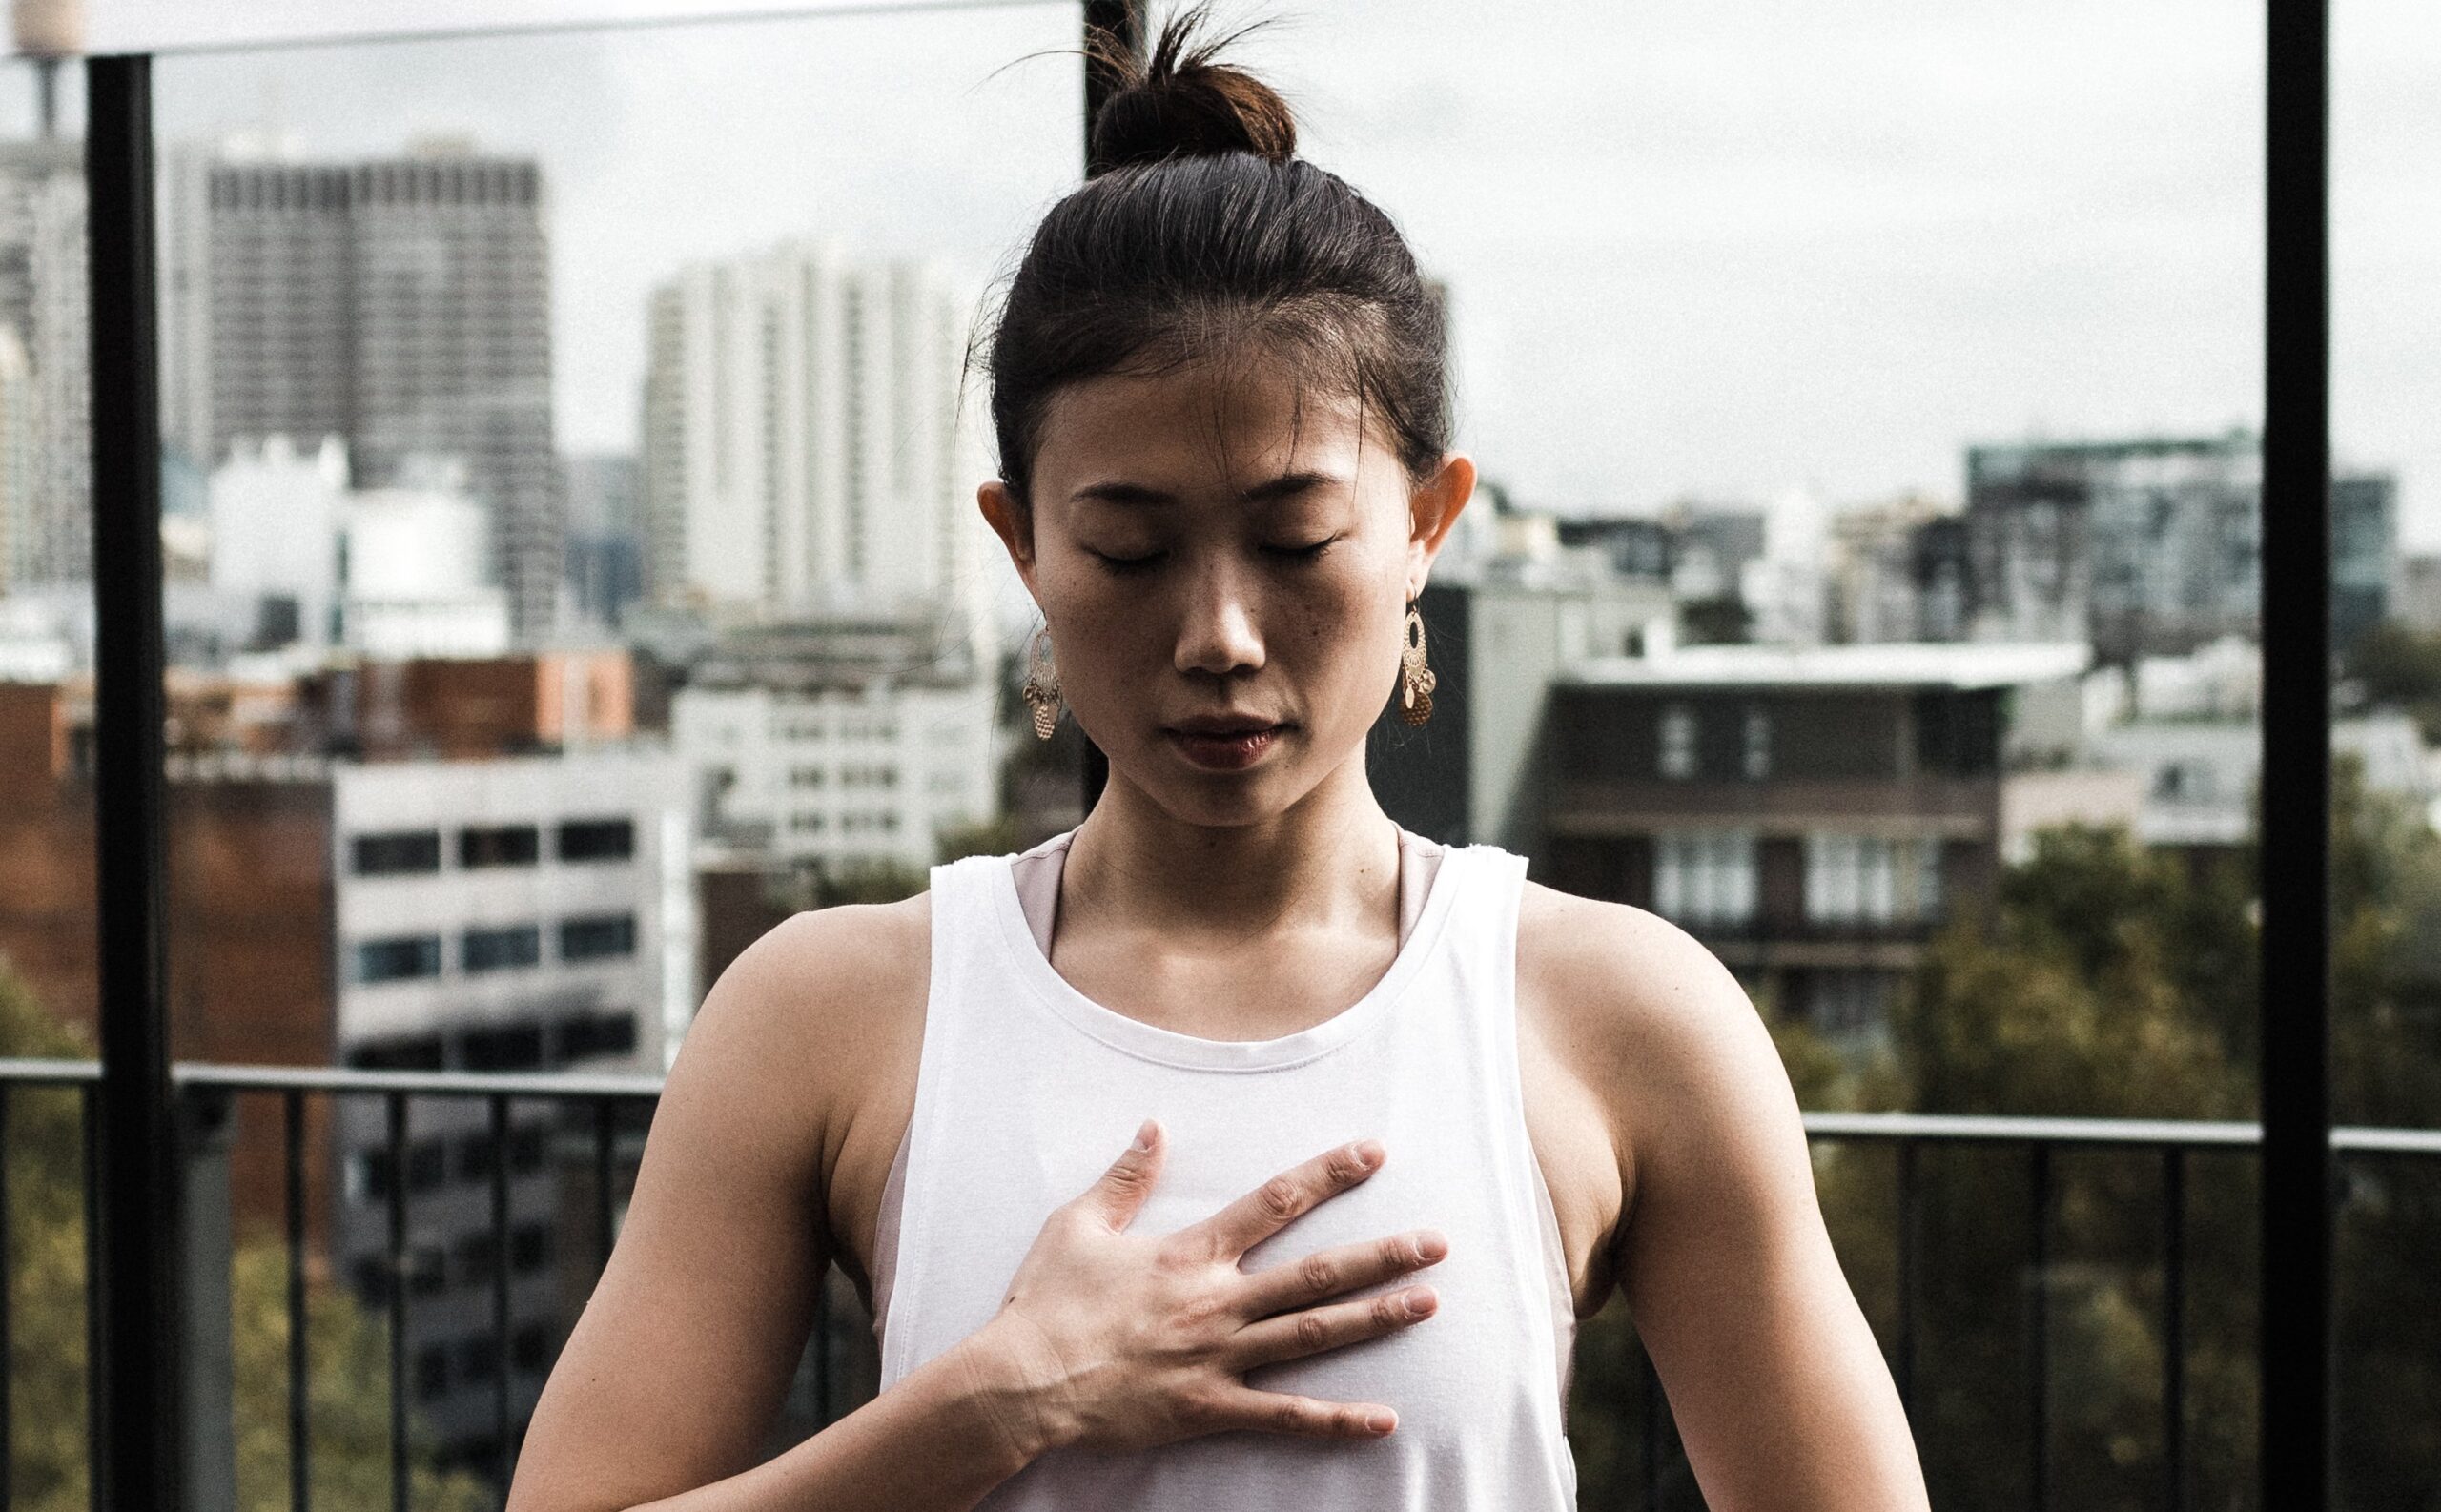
(499, 845)
(1759, 742)
(500, 949)
(598, 937)
(401, 958)
(597, 839)
(604, 1035)
(1704, 876)
(397, 853)
(1677, 756)
(419, 1053)
(1850, 1003)
(478, 1359)
(1869, 879)
(511, 1047)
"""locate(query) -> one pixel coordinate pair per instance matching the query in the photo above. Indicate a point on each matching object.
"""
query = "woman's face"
(1225, 573)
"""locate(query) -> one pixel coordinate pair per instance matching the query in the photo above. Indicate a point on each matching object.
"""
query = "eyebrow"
(1286, 485)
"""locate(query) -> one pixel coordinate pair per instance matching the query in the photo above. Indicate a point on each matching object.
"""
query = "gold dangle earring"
(1042, 690)
(1416, 681)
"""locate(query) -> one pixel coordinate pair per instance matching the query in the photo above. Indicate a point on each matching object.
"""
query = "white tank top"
(1027, 1089)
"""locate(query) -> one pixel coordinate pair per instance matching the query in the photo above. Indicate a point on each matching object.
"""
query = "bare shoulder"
(1655, 1024)
(1620, 979)
(808, 1024)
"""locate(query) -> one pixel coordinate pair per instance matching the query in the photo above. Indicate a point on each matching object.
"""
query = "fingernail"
(1367, 1152)
(1381, 1422)
(1418, 1303)
(1431, 1246)
(1144, 1136)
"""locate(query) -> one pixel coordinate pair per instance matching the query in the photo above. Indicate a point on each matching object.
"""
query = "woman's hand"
(1127, 1341)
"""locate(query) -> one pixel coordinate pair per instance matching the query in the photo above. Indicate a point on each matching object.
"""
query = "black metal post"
(1114, 30)
(2295, 802)
(1112, 27)
(136, 1329)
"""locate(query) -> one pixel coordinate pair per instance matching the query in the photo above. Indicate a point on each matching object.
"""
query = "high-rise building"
(401, 304)
(2150, 546)
(805, 447)
(47, 431)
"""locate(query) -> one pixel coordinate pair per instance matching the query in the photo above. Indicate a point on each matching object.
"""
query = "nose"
(1216, 634)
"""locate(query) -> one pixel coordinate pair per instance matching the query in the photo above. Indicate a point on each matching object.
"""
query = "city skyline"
(1837, 252)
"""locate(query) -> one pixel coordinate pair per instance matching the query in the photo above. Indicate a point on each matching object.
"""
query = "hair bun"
(1183, 102)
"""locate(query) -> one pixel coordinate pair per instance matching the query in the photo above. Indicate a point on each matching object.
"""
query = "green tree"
(49, 1456)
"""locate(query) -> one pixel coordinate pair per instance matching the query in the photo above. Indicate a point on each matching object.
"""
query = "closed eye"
(1127, 564)
(1306, 553)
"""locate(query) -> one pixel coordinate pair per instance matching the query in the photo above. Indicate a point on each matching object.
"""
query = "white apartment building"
(809, 446)
(842, 775)
(513, 913)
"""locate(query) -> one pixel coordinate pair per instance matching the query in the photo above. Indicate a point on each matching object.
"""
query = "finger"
(1307, 1417)
(1294, 1336)
(1287, 1196)
(1325, 1274)
(1120, 1192)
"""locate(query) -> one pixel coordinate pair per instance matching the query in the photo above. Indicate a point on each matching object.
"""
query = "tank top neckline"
(1133, 1036)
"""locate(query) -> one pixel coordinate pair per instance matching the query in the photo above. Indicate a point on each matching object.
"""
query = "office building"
(46, 514)
(400, 304)
(809, 448)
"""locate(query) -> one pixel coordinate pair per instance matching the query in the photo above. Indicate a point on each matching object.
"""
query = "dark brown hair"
(1202, 235)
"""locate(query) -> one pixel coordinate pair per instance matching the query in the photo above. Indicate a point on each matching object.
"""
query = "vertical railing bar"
(1651, 1428)
(2174, 1327)
(396, 1242)
(90, 1143)
(505, 1455)
(604, 1113)
(301, 1360)
(822, 1349)
(8, 1276)
(1907, 1261)
(2038, 1329)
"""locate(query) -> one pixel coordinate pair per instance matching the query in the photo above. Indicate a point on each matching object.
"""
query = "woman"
(1237, 1150)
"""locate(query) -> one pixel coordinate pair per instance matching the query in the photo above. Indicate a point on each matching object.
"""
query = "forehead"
(1207, 423)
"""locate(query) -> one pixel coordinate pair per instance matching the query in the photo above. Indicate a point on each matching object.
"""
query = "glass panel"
(1870, 394)
(566, 441)
(2386, 619)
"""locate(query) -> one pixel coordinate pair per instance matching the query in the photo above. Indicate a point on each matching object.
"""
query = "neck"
(1331, 859)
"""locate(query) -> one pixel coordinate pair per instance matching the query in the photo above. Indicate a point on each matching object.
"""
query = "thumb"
(1122, 1189)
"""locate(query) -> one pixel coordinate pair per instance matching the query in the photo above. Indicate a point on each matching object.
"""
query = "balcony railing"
(597, 1124)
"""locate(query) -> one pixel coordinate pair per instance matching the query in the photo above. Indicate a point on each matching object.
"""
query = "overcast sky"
(1727, 250)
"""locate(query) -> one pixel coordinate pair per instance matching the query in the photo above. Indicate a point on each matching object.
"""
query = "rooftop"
(1956, 667)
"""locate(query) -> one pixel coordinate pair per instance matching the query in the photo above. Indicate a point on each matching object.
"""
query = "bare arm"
(1777, 1386)
(1108, 1339)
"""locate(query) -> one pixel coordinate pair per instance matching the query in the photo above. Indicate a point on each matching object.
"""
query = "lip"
(1224, 741)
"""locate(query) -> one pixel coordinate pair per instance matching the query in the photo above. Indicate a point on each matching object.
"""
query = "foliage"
(350, 1464)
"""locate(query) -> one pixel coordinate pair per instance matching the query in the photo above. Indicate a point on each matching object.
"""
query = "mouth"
(1225, 743)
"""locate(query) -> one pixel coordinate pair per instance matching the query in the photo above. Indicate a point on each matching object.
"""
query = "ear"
(1013, 523)
(1433, 506)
